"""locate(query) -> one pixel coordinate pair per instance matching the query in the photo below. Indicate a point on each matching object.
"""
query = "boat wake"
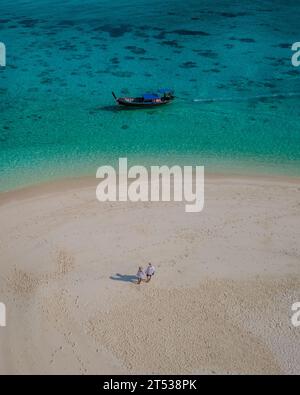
(256, 97)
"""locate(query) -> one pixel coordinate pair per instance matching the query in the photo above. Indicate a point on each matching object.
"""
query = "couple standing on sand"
(142, 274)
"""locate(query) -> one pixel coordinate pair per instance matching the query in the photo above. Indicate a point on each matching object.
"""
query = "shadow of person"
(124, 277)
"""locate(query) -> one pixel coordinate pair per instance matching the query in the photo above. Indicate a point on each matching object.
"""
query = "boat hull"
(126, 103)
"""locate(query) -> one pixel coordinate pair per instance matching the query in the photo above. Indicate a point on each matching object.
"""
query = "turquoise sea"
(229, 62)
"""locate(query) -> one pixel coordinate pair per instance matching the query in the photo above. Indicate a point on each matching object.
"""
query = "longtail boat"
(162, 97)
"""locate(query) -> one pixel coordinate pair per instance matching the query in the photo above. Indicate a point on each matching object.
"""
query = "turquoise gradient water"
(229, 62)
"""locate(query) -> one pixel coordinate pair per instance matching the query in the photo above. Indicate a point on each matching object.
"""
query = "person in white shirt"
(140, 275)
(150, 271)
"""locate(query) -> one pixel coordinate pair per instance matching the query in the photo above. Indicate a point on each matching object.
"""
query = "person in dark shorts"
(150, 270)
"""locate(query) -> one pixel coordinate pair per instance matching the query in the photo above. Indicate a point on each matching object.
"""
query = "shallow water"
(229, 63)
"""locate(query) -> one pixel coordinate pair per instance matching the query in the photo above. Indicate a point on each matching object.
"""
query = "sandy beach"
(220, 301)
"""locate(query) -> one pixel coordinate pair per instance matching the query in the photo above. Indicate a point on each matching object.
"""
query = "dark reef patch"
(122, 74)
(66, 23)
(247, 40)
(292, 72)
(29, 22)
(233, 14)
(171, 43)
(206, 53)
(188, 65)
(185, 32)
(211, 70)
(114, 60)
(283, 45)
(136, 50)
(160, 36)
(147, 58)
(269, 85)
(114, 31)
(229, 46)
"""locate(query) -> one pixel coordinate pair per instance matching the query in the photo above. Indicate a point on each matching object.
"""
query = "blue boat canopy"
(150, 96)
